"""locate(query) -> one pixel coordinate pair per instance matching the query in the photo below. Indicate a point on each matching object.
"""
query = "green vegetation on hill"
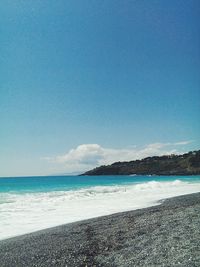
(186, 164)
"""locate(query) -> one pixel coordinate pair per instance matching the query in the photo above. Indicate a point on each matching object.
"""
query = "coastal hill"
(186, 164)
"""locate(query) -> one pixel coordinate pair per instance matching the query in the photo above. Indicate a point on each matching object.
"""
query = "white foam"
(24, 213)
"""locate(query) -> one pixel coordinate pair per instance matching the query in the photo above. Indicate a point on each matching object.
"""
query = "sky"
(84, 83)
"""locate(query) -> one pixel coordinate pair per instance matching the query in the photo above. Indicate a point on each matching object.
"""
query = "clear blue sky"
(114, 73)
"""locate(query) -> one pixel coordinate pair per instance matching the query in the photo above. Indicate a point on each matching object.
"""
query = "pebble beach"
(164, 235)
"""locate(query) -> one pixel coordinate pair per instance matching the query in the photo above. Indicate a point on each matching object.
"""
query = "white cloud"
(83, 154)
(183, 143)
(87, 156)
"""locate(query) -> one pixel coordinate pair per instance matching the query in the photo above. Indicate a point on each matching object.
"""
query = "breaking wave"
(28, 212)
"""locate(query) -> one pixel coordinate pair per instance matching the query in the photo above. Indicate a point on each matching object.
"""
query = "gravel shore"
(163, 235)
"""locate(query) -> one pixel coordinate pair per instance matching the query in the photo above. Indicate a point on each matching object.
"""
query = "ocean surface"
(29, 204)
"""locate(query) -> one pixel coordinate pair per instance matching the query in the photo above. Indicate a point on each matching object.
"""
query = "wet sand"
(163, 235)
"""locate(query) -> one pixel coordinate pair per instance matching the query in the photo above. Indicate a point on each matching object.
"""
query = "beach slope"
(163, 235)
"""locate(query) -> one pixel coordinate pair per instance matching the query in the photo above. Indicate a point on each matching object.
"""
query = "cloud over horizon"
(88, 156)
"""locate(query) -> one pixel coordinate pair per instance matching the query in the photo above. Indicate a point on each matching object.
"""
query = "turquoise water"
(28, 204)
(64, 183)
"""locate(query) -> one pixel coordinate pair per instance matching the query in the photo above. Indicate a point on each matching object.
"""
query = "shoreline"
(162, 235)
(28, 213)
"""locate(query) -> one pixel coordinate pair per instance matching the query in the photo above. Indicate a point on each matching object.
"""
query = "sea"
(28, 204)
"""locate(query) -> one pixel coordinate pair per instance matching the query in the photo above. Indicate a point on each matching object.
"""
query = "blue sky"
(123, 75)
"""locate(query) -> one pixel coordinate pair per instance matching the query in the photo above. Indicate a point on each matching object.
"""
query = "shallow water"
(28, 204)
